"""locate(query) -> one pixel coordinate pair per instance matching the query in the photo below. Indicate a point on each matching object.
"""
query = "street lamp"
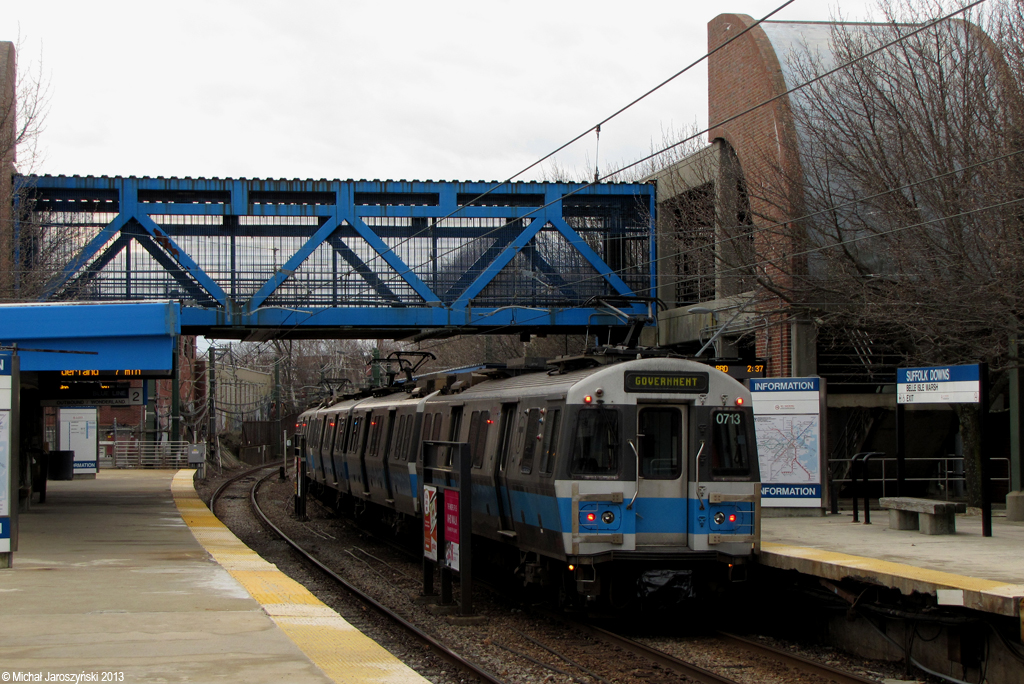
(718, 333)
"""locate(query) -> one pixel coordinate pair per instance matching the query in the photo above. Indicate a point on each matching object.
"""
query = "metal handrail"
(946, 478)
(135, 454)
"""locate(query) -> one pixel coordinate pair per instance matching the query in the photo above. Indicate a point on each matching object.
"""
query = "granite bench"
(926, 515)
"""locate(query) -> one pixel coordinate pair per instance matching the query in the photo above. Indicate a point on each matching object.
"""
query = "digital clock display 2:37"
(120, 373)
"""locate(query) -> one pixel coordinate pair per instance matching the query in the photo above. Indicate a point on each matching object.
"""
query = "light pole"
(718, 333)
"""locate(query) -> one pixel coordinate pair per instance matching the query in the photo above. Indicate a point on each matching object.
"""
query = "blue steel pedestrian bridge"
(257, 259)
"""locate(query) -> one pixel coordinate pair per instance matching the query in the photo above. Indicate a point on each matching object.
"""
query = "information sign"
(5, 463)
(787, 421)
(430, 522)
(938, 385)
(6, 404)
(451, 528)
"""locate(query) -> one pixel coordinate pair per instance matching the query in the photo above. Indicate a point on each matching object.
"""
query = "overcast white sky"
(400, 90)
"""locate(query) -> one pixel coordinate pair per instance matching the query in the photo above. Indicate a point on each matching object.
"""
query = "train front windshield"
(596, 442)
(730, 446)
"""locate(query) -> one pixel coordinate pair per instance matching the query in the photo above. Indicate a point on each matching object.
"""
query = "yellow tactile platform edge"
(981, 594)
(341, 651)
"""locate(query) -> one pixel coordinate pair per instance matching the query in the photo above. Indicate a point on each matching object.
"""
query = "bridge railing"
(134, 454)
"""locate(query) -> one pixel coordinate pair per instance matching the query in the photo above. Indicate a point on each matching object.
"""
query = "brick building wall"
(741, 76)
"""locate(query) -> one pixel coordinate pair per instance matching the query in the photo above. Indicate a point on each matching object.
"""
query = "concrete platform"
(109, 578)
(965, 568)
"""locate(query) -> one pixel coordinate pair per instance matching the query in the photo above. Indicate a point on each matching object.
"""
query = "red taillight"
(588, 399)
(591, 517)
(571, 567)
(732, 518)
(739, 401)
(490, 422)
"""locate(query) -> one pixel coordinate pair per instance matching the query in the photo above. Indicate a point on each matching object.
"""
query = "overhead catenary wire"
(729, 119)
(837, 244)
(596, 127)
(736, 116)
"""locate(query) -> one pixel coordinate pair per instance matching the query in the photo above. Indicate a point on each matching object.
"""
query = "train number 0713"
(731, 418)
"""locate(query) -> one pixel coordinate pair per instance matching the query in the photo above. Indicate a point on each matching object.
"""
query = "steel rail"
(799, 662)
(443, 651)
(663, 659)
(235, 478)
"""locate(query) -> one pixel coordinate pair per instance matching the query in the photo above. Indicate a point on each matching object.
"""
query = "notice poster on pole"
(787, 421)
(430, 522)
(451, 529)
(5, 463)
(6, 404)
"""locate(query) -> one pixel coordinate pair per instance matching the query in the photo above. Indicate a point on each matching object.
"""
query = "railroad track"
(584, 665)
(793, 661)
(440, 649)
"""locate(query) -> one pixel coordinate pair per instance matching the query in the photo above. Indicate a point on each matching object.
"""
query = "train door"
(385, 450)
(660, 506)
(361, 451)
(327, 450)
(454, 428)
(338, 452)
(505, 448)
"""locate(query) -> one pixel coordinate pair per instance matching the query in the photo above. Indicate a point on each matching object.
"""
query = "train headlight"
(608, 517)
(719, 518)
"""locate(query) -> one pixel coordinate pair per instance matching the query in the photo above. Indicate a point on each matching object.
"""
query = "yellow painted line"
(982, 594)
(341, 651)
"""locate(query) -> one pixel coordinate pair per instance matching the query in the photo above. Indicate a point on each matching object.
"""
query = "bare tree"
(904, 213)
(24, 104)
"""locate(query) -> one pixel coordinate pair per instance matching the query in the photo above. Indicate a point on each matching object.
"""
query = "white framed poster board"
(79, 433)
(787, 421)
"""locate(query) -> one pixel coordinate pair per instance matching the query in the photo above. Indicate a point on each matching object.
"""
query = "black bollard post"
(855, 462)
(864, 488)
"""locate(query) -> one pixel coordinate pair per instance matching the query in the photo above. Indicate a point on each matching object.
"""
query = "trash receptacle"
(62, 465)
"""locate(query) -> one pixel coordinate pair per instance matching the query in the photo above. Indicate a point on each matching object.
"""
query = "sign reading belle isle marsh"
(938, 385)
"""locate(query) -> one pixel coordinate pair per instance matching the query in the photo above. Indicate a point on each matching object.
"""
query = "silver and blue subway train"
(609, 481)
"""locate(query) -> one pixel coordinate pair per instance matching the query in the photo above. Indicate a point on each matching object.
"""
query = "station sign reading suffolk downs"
(938, 385)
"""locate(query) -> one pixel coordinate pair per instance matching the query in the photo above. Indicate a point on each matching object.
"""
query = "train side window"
(549, 449)
(436, 435)
(403, 438)
(533, 428)
(596, 443)
(508, 415)
(331, 435)
(454, 428)
(357, 430)
(474, 430)
(730, 449)
(342, 440)
(359, 435)
(660, 434)
(478, 438)
(395, 447)
(425, 426)
(375, 425)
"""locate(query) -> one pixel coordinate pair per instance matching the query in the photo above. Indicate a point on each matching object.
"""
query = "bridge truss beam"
(259, 259)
